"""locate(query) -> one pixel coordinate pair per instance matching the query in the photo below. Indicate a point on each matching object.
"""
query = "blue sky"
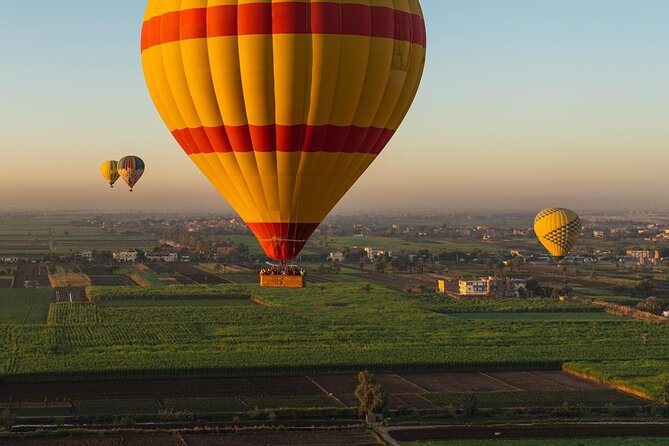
(524, 104)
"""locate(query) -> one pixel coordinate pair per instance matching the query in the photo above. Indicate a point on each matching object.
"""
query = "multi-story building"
(491, 287)
(480, 287)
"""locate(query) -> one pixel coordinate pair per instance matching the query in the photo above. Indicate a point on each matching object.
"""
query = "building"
(336, 256)
(83, 256)
(491, 287)
(645, 257)
(373, 254)
(479, 287)
(125, 256)
(169, 257)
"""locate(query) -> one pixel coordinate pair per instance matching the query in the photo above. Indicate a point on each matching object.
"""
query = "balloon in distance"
(283, 105)
(109, 172)
(558, 229)
(131, 169)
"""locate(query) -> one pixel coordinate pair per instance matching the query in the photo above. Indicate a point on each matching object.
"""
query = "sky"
(524, 104)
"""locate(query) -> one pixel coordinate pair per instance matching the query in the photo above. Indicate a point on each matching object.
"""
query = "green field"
(62, 234)
(639, 441)
(639, 374)
(177, 331)
(24, 306)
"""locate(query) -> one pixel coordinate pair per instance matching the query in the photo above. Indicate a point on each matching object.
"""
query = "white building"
(125, 256)
(336, 256)
(84, 255)
(170, 257)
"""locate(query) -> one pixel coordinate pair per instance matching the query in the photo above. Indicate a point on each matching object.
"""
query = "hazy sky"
(524, 104)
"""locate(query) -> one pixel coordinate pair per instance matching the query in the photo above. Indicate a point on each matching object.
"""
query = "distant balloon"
(131, 169)
(109, 172)
(283, 105)
(558, 229)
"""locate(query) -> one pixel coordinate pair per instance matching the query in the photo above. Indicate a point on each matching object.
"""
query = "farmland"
(638, 441)
(34, 234)
(24, 306)
(338, 327)
(317, 394)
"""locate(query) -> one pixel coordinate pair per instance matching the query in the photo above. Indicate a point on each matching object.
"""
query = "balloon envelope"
(558, 229)
(131, 169)
(283, 105)
(109, 172)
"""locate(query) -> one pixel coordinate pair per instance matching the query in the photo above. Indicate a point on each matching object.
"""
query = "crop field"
(311, 437)
(20, 306)
(38, 234)
(330, 328)
(113, 280)
(510, 390)
(628, 441)
(187, 274)
(31, 276)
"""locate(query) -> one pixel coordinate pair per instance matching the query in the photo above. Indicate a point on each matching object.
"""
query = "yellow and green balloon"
(109, 172)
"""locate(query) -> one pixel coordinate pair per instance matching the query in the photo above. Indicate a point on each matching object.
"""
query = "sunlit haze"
(524, 104)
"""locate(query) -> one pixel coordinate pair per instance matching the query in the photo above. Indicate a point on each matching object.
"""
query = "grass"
(19, 306)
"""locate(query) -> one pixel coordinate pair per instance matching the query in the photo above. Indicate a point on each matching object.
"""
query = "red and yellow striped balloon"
(283, 104)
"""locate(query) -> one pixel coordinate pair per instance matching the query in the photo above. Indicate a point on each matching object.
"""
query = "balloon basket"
(282, 281)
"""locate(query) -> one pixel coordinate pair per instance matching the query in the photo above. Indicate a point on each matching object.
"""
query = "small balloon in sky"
(131, 169)
(109, 172)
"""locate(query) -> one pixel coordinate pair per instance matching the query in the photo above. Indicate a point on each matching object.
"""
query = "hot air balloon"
(558, 229)
(283, 104)
(109, 172)
(131, 169)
